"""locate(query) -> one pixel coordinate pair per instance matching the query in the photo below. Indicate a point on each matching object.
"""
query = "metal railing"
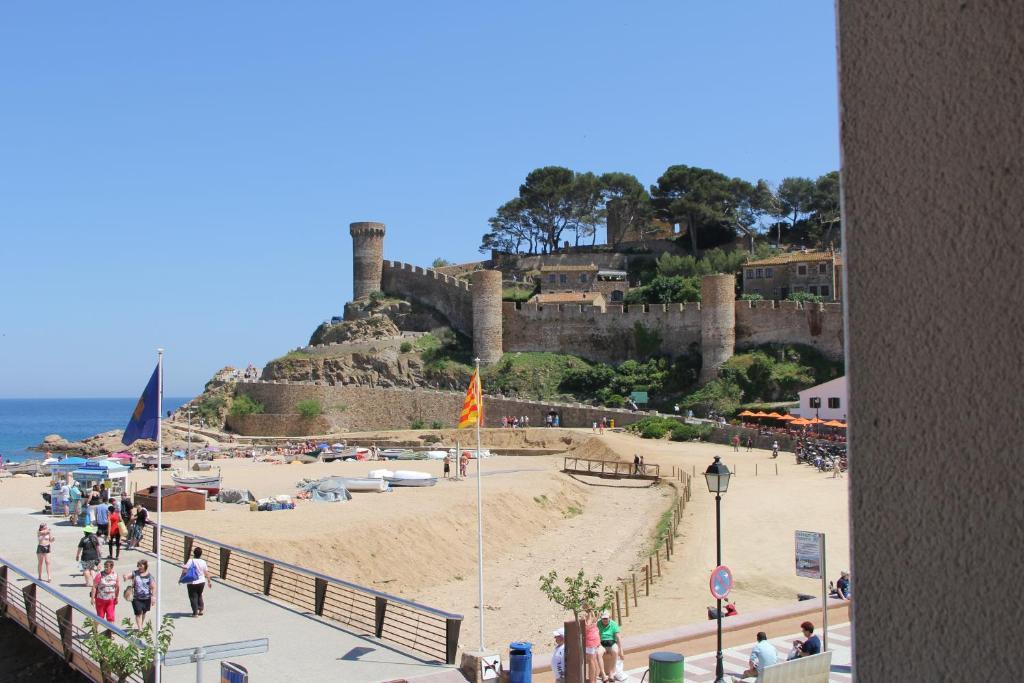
(56, 620)
(422, 630)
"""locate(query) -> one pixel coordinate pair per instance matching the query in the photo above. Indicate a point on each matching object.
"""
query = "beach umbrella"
(774, 414)
(787, 418)
(760, 413)
(836, 423)
(800, 422)
(746, 413)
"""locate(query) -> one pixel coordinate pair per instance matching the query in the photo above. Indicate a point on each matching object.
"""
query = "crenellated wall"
(611, 336)
(448, 295)
(791, 322)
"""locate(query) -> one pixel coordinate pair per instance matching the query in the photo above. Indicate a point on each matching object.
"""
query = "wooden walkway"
(611, 470)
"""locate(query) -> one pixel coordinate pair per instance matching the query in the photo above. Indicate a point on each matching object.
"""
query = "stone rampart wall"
(448, 295)
(358, 408)
(790, 322)
(610, 336)
(271, 424)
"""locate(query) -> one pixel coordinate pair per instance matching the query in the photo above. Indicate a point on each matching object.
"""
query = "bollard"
(665, 667)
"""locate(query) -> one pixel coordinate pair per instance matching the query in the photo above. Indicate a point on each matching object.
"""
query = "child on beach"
(447, 466)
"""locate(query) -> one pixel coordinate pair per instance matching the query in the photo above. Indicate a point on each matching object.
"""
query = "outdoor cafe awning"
(774, 414)
(800, 422)
(836, 423)
(747, 413)
(787, 418)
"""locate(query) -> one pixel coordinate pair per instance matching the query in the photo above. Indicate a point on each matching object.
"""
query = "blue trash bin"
(520, 662)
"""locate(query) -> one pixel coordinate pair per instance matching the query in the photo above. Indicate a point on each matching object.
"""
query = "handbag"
(191, 574)
(122, 529)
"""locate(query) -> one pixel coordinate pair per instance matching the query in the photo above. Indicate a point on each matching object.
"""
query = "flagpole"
(159, 509)
(479, 504)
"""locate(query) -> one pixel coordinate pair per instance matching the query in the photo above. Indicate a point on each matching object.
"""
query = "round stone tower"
(717, 323)
(486, 289)
(367, 258)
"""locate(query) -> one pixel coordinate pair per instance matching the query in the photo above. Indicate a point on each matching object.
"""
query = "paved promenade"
(302, 646)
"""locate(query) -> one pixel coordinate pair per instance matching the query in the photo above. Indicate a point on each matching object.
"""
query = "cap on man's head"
(89, 529)
(606, 614)
(559, 633)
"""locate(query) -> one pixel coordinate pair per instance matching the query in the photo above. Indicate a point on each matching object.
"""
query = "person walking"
(558, 657)
(196, 575)
(447, 466)
(114, 534)
(463, 464)
(102, 519)
(75, 496)
(88, 554)
(763, 654)
(138, 526)
(750, 443)
(44, 539)
(592, 646)
(105, 589)
(143, 589)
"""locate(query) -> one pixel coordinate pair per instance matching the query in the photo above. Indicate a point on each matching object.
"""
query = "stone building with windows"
(814, 272)
(558, 279)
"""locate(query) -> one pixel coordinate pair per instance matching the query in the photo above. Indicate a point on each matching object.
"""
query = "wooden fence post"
(64, 616)
(225, 557)
(625, 594)
(618, 607)
(657, 558)
(28, 594)
(635, 597)
(451, 639)
(380, 609)
(647, 582)
(320, 594)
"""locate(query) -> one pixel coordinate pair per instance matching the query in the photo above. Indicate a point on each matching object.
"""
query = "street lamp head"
(717, 475)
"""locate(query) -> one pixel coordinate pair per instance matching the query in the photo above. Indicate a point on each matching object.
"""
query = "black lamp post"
(717, 475)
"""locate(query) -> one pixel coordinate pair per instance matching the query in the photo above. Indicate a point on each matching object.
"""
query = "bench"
(813, 669)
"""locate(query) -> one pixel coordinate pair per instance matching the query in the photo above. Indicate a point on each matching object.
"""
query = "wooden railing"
(422, 630)
(612, 469)
(55, 619)
(630, 588)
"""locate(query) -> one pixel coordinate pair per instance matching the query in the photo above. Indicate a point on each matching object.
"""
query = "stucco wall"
(932, 133)
(360, 408)
(448, 295)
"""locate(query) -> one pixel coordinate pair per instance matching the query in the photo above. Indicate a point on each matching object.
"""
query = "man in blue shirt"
(811, 646)
(762, 655)
(102, 520)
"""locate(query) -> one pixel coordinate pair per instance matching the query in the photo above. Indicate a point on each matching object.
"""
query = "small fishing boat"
(34, 468)
(380, 474)
(470, 453)
(209, 482)
(435, 455)
(411, 478)
(396, 454)
(366, 484)
(341, 454)
(337, 447)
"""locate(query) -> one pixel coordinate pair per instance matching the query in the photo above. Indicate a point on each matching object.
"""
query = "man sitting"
(611, 641)
(811, 646)
(762, 655)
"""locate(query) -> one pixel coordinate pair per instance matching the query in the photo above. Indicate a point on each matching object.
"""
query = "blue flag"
(145, 418)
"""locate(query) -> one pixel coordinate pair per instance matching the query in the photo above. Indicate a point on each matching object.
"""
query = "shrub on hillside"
(245, 405)
(417, 424)
(405, 347)
(685, 432)
(309, 408)
(437, 424)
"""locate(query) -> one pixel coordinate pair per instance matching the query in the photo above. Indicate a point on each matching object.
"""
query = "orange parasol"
(836, 423)
(816, 421)
(800, 422)
(746, 413)
(787, 418)
(773, 414)
(760, 413)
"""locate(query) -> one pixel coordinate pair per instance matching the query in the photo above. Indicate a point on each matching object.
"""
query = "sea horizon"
(25, 422)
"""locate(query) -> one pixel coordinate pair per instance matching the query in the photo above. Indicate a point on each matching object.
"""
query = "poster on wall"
(808, 554)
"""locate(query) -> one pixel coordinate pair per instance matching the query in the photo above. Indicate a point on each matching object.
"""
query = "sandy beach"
(421, 543)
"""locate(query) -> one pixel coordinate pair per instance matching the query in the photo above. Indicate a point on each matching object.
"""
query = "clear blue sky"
(183, 174)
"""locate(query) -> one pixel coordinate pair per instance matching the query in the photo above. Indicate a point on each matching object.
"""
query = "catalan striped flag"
(473, 406)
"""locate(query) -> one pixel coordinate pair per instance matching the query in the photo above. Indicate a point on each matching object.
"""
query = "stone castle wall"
(358, 408)
(611, 336)
(487, 317)
(448, 295)
(367, 256)
(717, 323)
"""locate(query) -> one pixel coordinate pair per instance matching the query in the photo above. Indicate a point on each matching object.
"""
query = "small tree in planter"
(119, 661)
(579, 592)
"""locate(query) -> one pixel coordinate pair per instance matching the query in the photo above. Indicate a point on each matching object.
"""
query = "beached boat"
(365, 484)
(470, 453)
(151, 460)
(396, 454)
(332, 455)
(435, 455)
(337, 447)
(34, 468)
(411, 478)
(206, 482)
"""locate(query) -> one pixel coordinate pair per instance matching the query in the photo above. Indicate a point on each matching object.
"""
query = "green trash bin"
(665, 667)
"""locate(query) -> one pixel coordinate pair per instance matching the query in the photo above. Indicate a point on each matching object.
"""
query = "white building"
(829, 401)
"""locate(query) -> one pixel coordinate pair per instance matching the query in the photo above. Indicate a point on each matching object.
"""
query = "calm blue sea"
(24, 422)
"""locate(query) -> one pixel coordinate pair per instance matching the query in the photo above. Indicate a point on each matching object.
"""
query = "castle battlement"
(428, 273)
